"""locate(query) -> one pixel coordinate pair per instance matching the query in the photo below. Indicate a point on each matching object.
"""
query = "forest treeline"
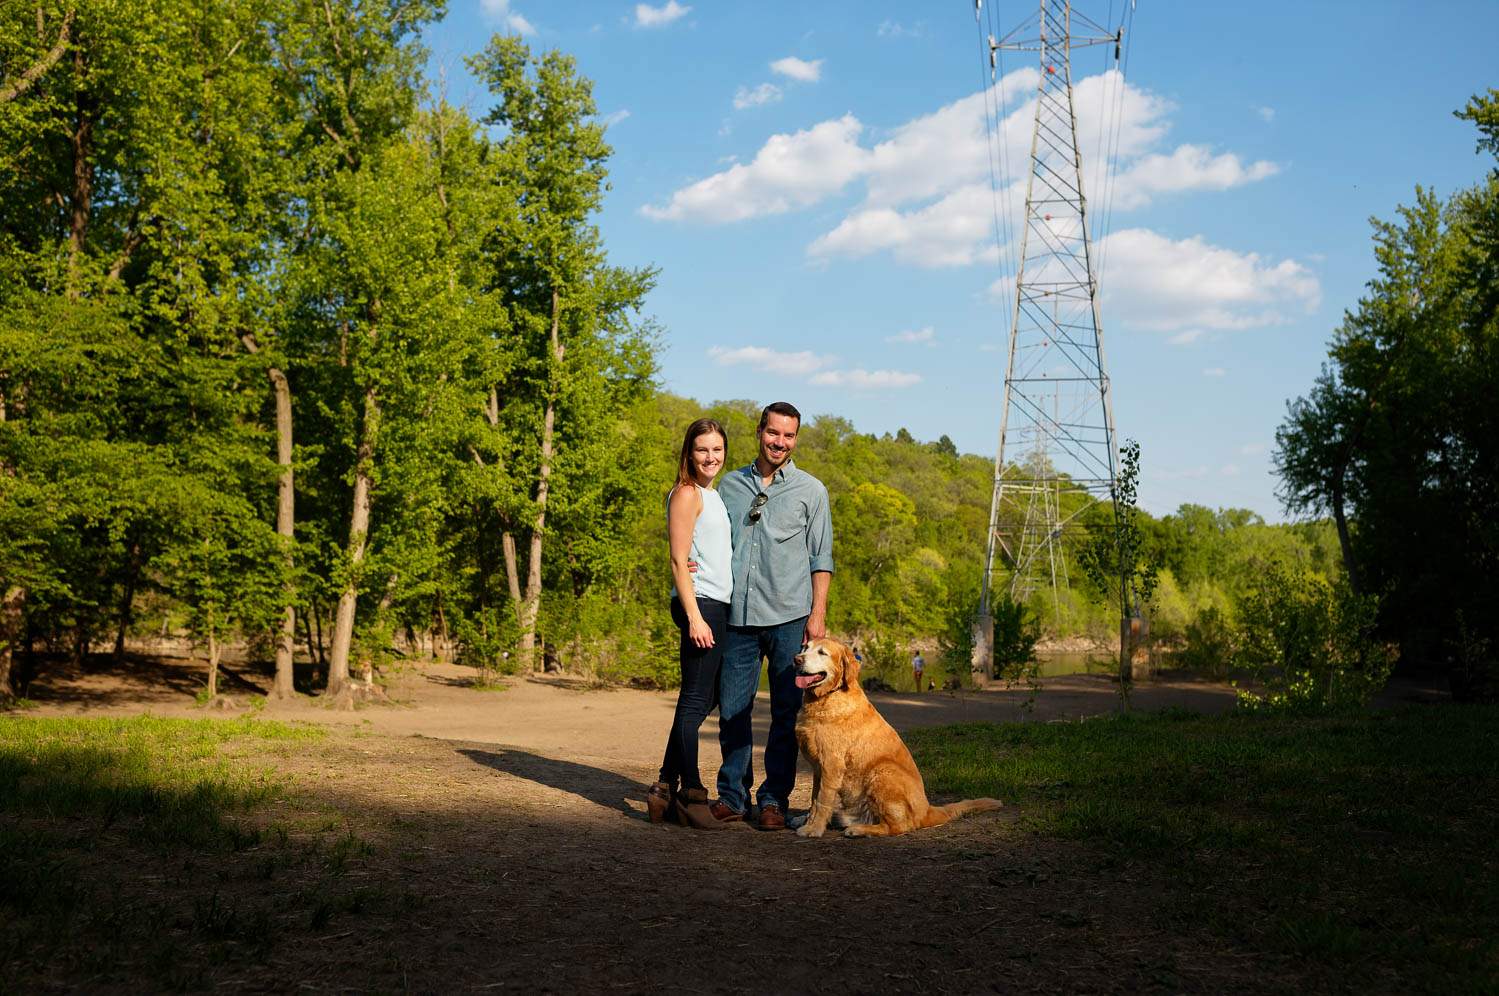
(295, 355)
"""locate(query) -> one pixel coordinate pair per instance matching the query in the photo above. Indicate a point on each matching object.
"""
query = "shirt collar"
(781, 473)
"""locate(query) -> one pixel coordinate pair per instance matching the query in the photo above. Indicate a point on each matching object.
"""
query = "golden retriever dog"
(863, 777)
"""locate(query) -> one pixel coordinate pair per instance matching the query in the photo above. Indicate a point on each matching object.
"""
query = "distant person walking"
(697, 528)
(783, 564)
(918, 666)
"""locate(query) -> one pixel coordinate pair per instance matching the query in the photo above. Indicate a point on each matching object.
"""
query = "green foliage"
(1016, 633)
(487, 640)
(1310, 643)
(1116, 558)
(955, 640)
(1396, 440)
(886, 664)
(1210, 643)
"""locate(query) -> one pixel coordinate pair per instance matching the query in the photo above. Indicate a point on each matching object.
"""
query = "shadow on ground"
(596, 785)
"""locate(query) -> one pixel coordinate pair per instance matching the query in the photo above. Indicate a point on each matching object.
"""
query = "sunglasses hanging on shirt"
(757, 506)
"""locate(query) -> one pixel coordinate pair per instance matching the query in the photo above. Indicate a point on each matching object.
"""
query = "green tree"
(1397, 439)
(120, 254)
(1310, 643)
(1115, 557)
(575, 361)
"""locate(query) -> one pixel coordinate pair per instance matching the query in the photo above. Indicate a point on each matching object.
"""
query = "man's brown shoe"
(723, 814)
(771, 817)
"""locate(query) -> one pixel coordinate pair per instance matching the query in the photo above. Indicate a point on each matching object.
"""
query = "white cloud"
(861, 379)
(1185, 338)
(770, 360)
(647, 16)
(1229, 470)
(765, 93)
(1166, 285)
(610, 120)
(1252, 449)
(1213, 371)
(810, 366)
(895, 29)
(929, 197)
(1189, 167)
(789, 172)
(1267, 114)
(798, 69)
(926, 335)
(954, 231)
(499, 10)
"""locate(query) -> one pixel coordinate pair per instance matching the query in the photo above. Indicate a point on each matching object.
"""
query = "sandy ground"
(623, 728)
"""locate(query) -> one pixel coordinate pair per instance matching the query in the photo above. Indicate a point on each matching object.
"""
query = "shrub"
(1016, 632)
(487, 640)
(1310, 643)
(1210, 643)
(885, 661)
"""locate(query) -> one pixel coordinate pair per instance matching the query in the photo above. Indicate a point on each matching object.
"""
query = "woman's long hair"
(701, 427)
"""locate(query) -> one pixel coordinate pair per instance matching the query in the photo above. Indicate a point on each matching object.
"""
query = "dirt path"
(622, 728)
(508, 850)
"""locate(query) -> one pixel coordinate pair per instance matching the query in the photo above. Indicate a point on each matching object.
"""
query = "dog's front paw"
(810, 829)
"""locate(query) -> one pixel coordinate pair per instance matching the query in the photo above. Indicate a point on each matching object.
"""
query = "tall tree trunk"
(1345, 542)
(507, 537)
(441, 634)
(286, 521)
(12, 606)
(127, 600)
(316, 612)
(359, 525)
(83, 175)
(12, 622)
(285, 528)
(213, 658)
(512, 572)
(531, 606)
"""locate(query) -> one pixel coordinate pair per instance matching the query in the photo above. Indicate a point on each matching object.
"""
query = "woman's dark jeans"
(699, 692)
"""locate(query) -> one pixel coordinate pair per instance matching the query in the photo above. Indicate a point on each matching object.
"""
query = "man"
(918, 666)
(783, 562)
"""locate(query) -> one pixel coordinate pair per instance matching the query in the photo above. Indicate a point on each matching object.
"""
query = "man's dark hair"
(779, 408)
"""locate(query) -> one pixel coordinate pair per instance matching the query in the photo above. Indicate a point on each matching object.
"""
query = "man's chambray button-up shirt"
(774, 558)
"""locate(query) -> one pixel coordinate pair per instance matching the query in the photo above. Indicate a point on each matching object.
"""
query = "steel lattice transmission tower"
(1057, 449)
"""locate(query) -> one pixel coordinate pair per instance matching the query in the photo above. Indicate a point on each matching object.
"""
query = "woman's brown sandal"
(692, 810)
(658, 802)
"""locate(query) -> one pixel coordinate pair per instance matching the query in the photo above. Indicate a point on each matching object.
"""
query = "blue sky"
(812, 181)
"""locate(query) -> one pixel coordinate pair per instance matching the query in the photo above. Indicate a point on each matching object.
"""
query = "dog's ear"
(850, 664)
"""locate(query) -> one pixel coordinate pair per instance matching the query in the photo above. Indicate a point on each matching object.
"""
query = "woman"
(697, 527)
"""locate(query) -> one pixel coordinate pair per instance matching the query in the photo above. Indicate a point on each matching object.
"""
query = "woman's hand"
(700, 633)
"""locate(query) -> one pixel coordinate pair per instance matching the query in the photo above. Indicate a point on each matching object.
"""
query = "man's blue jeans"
(739, 679)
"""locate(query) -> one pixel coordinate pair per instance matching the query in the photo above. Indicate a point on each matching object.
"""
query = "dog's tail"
(938, 815)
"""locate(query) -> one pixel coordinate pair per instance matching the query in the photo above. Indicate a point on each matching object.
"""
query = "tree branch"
(133, 240)
(47, 61)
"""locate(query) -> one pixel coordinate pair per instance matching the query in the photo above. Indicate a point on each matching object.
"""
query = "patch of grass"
(176, 777)
(1364, 843)
(89, 807)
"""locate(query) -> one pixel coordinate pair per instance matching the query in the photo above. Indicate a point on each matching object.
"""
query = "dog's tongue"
(807, 680)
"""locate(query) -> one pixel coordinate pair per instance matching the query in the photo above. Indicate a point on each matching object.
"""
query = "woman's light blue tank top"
(712, 549)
